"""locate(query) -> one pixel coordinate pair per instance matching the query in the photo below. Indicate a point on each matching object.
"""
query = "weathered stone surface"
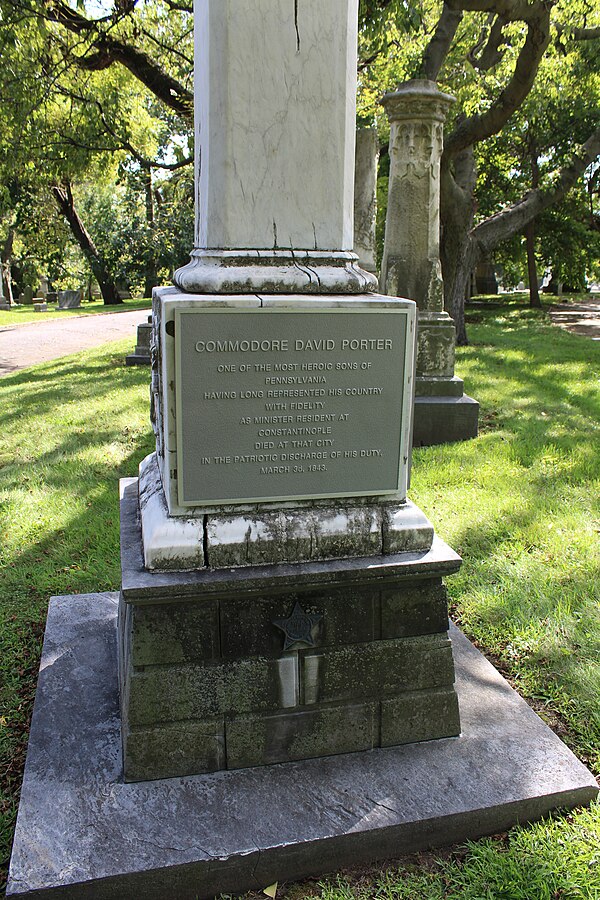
(173, 750)
(365, 197)
(378, 669)
(161, 694)
(411, 264)
(405, 529)
(296, 235)
(419, 716)
(346, 617)
(436, 342)
(414, 608)
(293, 534)
(84, 834)
(173, 633)
(142, 586)
(260, 740)
(40, 307)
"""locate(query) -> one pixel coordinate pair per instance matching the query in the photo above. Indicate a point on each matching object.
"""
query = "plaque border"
(405, 425)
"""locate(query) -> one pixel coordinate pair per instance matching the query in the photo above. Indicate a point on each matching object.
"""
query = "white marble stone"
(365, 197)
(275, 107)
(410, 265)
(275, 123)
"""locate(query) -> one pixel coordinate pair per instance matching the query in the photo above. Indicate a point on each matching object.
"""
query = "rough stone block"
(414, 608)
(405, 529)
(419, 716)
(380, 669)
(443, 420)
(173, 633)
(174, 693)
(347, 617)
(260, 740)
(173, 750)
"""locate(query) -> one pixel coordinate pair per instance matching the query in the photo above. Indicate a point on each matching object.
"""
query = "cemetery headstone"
(40, 307)
(411, 258)
(141, 354)
(26, 297)
(282, 405)
(4, 304)
(69, 299)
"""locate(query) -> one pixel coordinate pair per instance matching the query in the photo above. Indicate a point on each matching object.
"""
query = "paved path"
(24, 345)
(35, 342)
(580, 318)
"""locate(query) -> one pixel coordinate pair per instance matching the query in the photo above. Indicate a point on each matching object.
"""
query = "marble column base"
(274, 272)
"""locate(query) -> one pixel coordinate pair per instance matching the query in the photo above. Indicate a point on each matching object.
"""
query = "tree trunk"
(64, 198)
(458, 253)
(534, 294)
(5, 266)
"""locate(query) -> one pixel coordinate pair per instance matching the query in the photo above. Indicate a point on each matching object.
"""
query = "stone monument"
(365, 197)
(411, 263)
(282, 600)
(4, 303)
(69, 299)
(141, 353)
(282, 398)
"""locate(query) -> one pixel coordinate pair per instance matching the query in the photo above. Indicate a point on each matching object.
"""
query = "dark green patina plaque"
(280, 404)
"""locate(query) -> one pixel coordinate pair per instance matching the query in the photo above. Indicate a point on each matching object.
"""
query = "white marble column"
(365, 197)
(411, 264)
(275, 89)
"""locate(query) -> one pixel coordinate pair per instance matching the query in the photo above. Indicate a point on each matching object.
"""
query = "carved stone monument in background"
(411, 258)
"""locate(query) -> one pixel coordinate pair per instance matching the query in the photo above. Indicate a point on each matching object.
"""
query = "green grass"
(21, 315)
(520, 503)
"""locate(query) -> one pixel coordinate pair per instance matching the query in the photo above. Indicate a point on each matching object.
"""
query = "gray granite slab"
(83, 833)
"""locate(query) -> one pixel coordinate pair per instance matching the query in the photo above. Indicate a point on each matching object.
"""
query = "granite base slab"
(82, 833)
(444, 420)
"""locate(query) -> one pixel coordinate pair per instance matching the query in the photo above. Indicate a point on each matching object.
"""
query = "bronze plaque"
(290, 404)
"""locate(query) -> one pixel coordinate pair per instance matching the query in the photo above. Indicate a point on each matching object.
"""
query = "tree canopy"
(100, 92)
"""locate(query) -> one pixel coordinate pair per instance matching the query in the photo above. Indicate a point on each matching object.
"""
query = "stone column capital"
(417, 99)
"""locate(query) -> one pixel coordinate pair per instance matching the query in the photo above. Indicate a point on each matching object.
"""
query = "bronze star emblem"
(298, 627)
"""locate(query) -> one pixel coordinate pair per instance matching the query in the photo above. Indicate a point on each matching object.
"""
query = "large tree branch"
(106, 50)
(439, 45)
(578, 34)
(489, 233)
(481, 126)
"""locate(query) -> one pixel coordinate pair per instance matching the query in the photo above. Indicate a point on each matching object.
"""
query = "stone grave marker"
(141, 353)
(411, 259)
(69, 299)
